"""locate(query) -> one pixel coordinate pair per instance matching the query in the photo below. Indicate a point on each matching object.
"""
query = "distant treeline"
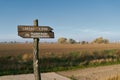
(99, 40)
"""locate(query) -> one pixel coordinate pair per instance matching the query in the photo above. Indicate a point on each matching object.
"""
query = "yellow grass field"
(19, 49)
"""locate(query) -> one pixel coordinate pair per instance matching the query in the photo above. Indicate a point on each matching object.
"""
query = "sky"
(76, 19)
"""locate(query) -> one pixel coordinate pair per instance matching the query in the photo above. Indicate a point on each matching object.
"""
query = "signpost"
(35, 32)
(35, 28)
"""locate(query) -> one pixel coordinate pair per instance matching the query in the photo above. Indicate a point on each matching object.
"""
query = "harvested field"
(18, 49)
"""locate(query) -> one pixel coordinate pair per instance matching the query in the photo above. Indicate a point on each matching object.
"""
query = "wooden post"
(36, 55)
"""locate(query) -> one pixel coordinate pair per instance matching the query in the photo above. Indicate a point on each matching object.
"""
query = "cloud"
(88, 30)
(96, 32)
(106, 32)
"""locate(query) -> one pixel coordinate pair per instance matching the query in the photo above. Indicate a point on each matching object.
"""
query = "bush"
(62, 40)
(71, 41)
(100, 40)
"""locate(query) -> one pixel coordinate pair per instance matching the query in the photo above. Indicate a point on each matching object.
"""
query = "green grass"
(74, 60)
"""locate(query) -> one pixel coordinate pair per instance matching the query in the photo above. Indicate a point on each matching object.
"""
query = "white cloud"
(106, 32)
(96, 32)
(87, 30)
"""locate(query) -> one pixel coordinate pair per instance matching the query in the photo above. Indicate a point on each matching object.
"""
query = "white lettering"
(25, 28)
(43, 29)
(40, 35)
(28, 29)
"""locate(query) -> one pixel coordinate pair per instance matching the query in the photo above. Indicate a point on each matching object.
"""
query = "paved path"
(45, 76)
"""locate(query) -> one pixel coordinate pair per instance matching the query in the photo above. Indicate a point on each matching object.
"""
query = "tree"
(100, 40)
(62, 40)
(71, 41)
(84, 42)
(106, 41)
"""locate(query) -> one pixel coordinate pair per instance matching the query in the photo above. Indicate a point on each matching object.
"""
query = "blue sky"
(77, 19)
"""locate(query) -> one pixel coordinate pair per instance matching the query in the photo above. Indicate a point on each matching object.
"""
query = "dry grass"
(25, 51)
(46, 49)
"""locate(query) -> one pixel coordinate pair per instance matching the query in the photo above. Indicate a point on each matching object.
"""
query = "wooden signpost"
(35, 32)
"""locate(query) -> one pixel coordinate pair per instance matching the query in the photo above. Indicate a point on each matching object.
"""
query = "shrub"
(62, 40)
(100, 40)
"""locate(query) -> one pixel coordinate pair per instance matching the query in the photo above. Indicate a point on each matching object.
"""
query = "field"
(58, 49)
(17, 58)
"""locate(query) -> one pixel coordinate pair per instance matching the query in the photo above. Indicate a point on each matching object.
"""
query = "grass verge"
(74, 60)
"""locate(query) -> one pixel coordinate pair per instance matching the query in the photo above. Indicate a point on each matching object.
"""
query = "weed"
(23, 64)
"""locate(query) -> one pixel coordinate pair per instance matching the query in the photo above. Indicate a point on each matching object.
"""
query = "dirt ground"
(98, 73)
(45, 49)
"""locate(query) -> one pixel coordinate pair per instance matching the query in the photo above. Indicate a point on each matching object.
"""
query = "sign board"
(36, 34)
(35, 31)
(34, 28)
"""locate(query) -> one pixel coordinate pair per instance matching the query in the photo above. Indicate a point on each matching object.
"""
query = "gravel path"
(98, 73)
(45, 76)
